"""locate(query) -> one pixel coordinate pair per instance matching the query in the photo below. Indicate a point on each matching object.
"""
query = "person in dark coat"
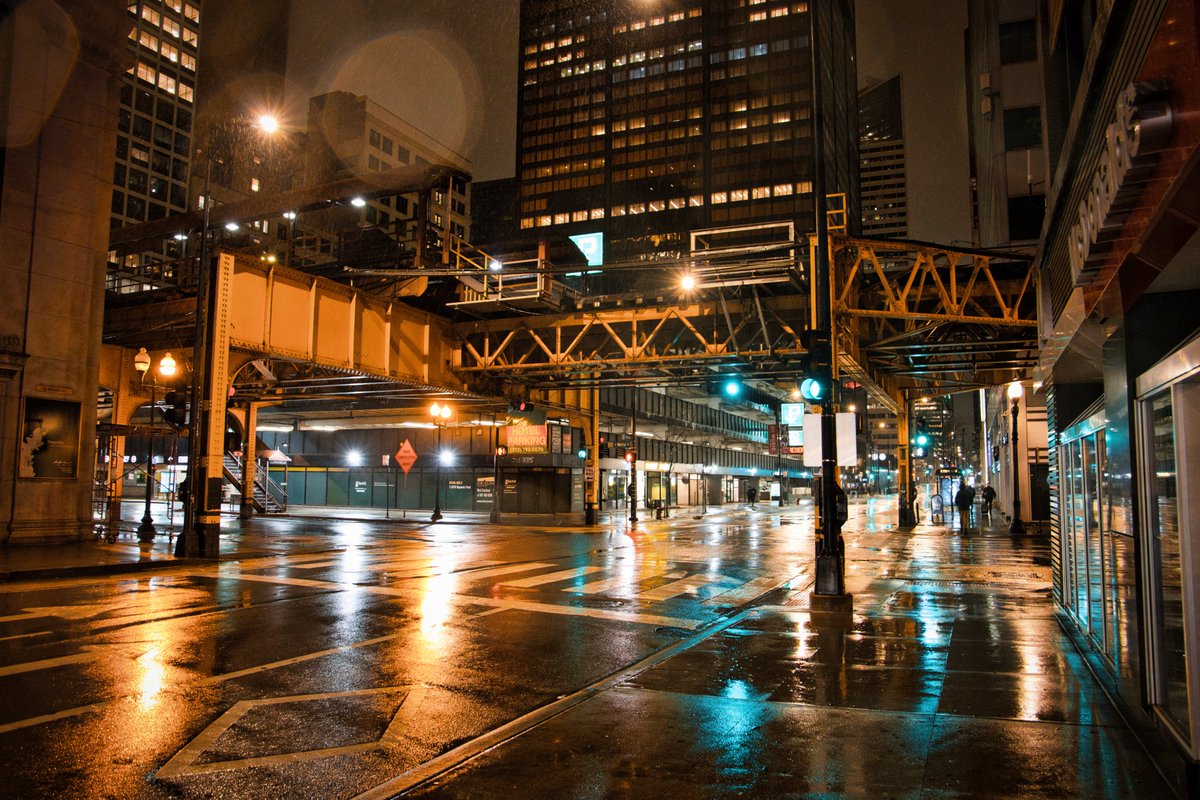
(989, 496)
(964, 499)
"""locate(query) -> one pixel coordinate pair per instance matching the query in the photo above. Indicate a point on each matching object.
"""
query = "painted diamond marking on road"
(189, 761)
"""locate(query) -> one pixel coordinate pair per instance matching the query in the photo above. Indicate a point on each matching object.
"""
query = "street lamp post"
(166, 367)
(497, 488)
(1015, 390)
(201, 518)
(440, 413)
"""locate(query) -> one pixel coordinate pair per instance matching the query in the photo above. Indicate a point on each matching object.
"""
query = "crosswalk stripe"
(748, 590)
(679, 587)
(562, 575)
(596, 587)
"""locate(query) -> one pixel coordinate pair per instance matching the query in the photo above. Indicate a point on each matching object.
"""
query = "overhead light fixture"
(357, 202)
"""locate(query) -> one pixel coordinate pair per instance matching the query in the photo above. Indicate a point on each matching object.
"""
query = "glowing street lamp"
(1015, 390)
(440, 413)
(166, 367)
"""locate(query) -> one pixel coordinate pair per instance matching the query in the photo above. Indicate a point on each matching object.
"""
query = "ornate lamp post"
(497, 488)
(166, 367)
(1015, 390)
(440, 414)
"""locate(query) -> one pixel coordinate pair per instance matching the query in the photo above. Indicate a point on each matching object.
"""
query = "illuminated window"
(618, 211)
(190, 37)
(146, 72)
(761, 192)
(186, 92)
(657, 205)
(562, 218)
(783, 189)
(147, 39)
(597, 213)
(171, 26)
(739, 194)
(637, 208)
(166, 82)
(677, 202)
(191, 12)
(526, 223)
(151, 16)
(696, 200)
(719, 197)
(579, 216)
(188, 62)
(170, 52)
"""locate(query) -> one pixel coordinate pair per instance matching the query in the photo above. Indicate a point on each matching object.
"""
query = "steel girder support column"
(249, 462)
(206, 466)
(907, 511)
(591, 488)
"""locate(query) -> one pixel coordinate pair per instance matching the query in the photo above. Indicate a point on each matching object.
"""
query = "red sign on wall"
(527, 439)
(406, 456)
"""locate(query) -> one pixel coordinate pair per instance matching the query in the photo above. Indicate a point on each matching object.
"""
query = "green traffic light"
(922, 439)
(733, 387)
(811, 389)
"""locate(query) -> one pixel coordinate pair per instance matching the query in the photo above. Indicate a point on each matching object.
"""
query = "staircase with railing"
(268, 497)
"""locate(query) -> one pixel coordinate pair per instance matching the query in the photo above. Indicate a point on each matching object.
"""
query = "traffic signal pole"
(829, 591)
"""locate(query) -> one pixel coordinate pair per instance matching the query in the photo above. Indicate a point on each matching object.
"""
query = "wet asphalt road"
(469, 660)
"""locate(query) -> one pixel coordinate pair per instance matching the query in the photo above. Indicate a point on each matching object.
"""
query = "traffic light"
(177, 408)
(817, 364)
(812, 389)
(582, 452)
(631, 455)
(604, 451)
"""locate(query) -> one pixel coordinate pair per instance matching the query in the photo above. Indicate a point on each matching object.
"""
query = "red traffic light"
(631, 456)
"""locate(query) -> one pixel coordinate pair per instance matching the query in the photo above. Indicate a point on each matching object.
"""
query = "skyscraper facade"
(882, 165)
(644, 121)
(154, 144)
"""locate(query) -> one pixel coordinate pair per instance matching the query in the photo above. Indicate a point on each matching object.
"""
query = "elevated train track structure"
(908, 318)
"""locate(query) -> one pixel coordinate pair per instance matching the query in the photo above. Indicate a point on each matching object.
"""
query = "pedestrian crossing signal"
(177, 408)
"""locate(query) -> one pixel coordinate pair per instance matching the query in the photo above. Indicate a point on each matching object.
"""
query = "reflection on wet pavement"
(676, 659)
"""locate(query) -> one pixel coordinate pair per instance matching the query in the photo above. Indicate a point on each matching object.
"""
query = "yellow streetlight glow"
(688, 282)
(167, 365)
(269, 123)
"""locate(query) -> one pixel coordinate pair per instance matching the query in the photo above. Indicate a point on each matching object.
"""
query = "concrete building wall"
(60, 86)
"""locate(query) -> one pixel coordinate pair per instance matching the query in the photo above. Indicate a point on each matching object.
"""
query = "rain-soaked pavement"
(373, 658)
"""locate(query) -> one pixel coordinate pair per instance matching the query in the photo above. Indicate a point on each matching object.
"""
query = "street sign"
(589, 473)
(406, 456)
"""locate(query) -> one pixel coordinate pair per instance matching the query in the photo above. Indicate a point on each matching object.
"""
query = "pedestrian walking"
(989, 496)
(752, 493)
(964, 499)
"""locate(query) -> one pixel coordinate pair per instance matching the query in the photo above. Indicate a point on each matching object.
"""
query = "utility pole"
(830, 586)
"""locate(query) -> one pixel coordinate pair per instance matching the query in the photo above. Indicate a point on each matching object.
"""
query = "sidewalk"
(951, 678)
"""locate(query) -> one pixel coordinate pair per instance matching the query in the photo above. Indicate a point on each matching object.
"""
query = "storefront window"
(1164, 530)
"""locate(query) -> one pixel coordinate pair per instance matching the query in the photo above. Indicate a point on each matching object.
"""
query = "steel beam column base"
(831, 602)
(831, 580)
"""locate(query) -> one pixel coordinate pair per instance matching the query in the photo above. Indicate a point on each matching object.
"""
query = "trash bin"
(658, 509)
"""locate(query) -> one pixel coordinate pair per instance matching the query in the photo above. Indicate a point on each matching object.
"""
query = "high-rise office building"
(154, 127)
(882, 165)
(644, 121)
(1006, 112)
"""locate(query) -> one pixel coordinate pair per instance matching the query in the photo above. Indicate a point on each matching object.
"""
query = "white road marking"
(750, 590)
(596, 587)
(184, 762)
(679, 587)
(63, 612)
(553, 577)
